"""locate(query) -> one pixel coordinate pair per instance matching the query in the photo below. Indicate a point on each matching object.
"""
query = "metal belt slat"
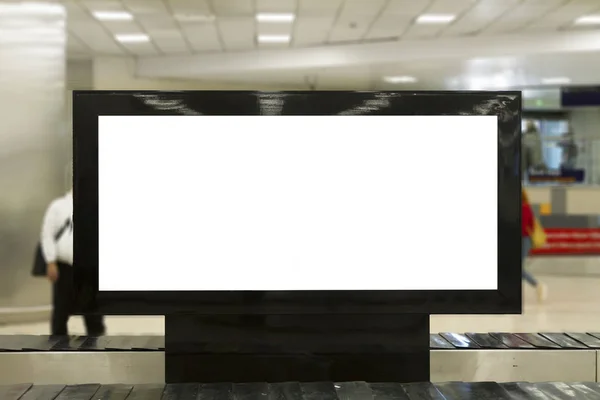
(459, 340)
(215, 391)
(10, 343)
(485, 341)
(563, 340)
(46, 392)
(71, 343)
(388, 391)
(588, 340)
(537, 340)
(78, 392)
(468, 391)
(13, 392)
(560, 390)
(590, 393)
(251, 391)
(438, 342)
(181, 391)
(441, 341)
(515, 391)
(285, 391)
(319, 390)
(423, 391)
(40, 343)
(353, 391)
(113, 392)
(511, 341)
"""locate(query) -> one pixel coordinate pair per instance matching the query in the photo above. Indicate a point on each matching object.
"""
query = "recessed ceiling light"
(132, 38)
(556, 81)
(400, 79)
(588, 20)
(435, 18)
(274, 38)
(194, 18)
(275, 18)
(112, 15)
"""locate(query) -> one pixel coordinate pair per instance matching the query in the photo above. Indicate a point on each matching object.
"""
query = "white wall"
(118, 73)
(585, 123)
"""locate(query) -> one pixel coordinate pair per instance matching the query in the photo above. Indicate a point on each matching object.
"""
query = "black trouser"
(63, 296)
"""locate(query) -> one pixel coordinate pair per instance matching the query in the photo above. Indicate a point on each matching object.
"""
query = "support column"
(33, 141)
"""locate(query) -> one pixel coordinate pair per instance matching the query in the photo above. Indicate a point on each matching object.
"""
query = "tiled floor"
(573, 304)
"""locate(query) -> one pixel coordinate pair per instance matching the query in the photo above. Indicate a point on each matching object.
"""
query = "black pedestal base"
(299, 348)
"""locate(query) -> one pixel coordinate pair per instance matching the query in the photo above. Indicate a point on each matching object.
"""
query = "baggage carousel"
(466, 357)
(308, 391)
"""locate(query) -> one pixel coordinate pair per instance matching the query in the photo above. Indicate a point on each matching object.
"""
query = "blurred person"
(531, 149)
(528, 228)
(57, 250)
(570, 151)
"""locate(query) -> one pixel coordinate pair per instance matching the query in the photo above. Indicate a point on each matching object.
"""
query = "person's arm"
(528, 218)
(50, 225)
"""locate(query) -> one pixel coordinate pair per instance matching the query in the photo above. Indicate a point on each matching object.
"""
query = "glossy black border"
(88, 105)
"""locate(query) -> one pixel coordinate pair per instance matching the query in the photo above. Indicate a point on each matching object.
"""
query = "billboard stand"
(297, 348)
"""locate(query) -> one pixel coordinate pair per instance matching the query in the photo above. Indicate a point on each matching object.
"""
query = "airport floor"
(573, 305)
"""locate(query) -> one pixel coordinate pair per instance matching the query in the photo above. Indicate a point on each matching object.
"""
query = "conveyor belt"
(472, 357)
(308, 391)
(441, 341)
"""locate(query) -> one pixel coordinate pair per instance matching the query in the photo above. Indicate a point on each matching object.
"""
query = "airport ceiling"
(373, 43)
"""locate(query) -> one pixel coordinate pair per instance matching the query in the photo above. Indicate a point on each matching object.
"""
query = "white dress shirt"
(58, 215)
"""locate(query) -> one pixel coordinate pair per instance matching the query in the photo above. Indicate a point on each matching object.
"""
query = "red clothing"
(527, 219)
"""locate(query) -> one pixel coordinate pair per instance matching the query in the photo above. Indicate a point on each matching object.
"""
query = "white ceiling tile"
(141, 49)
(520, 16)
(152, 22)
(274, 29)
(237, 32)
(74, 10)
(316, 8)
(233, 7)
(103, 5)
(171, 43)
(355, 20)
(117, 27)
(189, 6)
(451, 6)
(423, 31)
(565, 15)
(278, 6)
(310, 31)
(480, 16)
(202, 37)
(76, 45)
(95, 37)
(370, 7)
(410, 8)
(139, 7)
(389, 26)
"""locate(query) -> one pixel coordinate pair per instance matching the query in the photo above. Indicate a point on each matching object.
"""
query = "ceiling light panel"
(275, 18)
(276, 6)
(435, 18)
(112, 15)
(132, 38)
(558, 80)
(274, 39)
(400, 79)
(588, 20)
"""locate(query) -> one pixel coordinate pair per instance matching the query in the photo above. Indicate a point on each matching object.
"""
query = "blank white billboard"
(287, 203)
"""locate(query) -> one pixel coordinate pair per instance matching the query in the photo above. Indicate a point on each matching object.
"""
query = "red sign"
(564, 241)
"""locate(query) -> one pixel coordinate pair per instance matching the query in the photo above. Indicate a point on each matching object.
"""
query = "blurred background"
(549, 49)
